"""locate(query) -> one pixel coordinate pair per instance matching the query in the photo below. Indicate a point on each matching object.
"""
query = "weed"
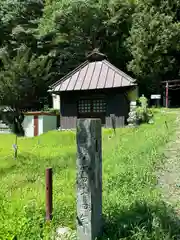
(130, 200)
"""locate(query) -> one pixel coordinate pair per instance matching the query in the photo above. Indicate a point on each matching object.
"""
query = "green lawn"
(131, 203)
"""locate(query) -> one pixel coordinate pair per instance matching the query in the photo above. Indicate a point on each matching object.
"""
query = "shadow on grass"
(142, 221)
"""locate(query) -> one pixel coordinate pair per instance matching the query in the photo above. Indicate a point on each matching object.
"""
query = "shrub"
(144, 114)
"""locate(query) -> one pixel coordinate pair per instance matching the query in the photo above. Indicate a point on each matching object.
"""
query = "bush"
(52, 110)
(144, 114)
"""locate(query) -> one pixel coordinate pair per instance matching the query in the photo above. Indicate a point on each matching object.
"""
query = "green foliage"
(51, 9)
(86, 25)
(139, 36)
(19, 22)
(153, 43)
(131, 201)
(55, 111)
(23, 79)
(144, 114)
(14, 119)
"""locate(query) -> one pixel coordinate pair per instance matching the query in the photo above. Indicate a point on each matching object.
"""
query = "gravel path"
(169, 174)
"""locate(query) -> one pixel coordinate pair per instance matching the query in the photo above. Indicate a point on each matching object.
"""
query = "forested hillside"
(42, 40)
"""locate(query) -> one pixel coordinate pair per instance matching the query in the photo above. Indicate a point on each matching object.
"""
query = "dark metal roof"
(93, 75)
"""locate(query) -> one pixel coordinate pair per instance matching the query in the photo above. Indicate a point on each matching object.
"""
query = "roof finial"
(96, 55)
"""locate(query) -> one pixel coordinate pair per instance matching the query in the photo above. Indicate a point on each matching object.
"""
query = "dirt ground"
(169, 173)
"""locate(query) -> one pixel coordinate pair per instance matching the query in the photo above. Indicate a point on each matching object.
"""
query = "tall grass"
(131, 202)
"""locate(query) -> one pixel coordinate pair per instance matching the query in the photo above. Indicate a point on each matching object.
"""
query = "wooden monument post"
(49, 204)
(89, 179)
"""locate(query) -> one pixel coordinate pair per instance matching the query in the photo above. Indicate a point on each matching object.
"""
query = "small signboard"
(155, 96)
(14, 146)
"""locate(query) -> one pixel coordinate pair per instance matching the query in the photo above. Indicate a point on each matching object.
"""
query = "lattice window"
(92, 105)
(99, 105)
(84, 106)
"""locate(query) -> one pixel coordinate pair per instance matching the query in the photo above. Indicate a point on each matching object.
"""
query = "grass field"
(132, 204)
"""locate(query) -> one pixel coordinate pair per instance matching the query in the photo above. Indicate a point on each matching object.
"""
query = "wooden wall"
(117, 103)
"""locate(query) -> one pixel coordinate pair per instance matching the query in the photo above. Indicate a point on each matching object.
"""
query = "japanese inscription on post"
(89, 179)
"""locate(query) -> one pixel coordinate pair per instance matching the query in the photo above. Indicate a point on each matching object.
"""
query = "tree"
(19, 24)
(118, 24)
(81, 26)
(23, 80)
(153, 44)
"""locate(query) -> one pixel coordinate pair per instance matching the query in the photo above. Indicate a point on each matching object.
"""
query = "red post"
(36, 125)
(48, 194)
(167, 94)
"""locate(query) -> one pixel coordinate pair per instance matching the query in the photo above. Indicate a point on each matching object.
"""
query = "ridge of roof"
(119, 71)
(69, 74)
(116, 70)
